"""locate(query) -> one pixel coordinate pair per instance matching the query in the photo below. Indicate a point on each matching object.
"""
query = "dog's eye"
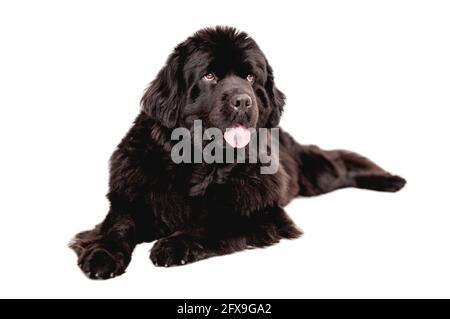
(209, 77)
(251, 78)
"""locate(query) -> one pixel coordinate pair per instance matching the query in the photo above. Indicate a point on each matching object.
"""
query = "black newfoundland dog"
(199, 210)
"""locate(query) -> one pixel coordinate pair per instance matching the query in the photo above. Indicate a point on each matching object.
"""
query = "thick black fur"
(196, 211)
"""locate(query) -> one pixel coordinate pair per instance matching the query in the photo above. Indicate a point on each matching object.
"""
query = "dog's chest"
(245, 190)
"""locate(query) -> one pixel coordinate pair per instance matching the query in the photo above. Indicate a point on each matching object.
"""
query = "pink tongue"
(237, 136)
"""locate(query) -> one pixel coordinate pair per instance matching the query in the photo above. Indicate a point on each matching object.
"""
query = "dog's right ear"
(164, 97)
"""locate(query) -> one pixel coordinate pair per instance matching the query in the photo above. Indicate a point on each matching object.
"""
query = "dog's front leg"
(105, 251)
(221, 236)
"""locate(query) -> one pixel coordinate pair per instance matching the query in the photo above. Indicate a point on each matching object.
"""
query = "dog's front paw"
(176, 250)
(99, 263)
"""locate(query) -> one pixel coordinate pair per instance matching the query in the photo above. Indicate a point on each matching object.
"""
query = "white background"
(369, 76)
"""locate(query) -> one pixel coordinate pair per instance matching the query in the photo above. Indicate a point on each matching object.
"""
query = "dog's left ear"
(164, 97)
(276, 97)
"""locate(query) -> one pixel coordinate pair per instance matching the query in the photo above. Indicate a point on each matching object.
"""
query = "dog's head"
(219, 76)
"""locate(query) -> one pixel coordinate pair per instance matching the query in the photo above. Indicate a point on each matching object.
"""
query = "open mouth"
(237, 136)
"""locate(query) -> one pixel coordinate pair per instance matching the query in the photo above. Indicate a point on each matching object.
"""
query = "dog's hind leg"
(324, 171)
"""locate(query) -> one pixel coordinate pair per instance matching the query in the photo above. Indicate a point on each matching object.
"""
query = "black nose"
(241, 101)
